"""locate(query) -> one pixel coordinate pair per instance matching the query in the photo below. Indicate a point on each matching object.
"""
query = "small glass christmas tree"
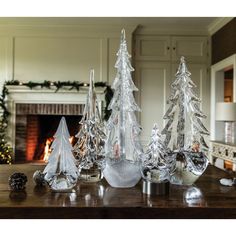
(184, 131)
(156, 164)
(61, 172)
(122, 145)
(89, 149)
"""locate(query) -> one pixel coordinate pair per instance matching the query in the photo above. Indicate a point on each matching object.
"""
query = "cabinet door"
(152, 48)
(192, 47)
(153, 81)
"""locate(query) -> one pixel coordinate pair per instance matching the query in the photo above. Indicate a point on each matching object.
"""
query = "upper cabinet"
(192, 47)
(171, 48)
(153, 48)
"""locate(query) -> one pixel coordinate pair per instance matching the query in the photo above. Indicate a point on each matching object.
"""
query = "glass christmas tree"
(122, 145)
(184, 131)
(89, 149)
(156, 164)
(61, 172)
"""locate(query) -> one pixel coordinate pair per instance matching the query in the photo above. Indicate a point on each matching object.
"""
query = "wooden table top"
(99, 200)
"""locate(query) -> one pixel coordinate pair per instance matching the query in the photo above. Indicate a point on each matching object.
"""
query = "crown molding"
(46, 28)
(218, 24)
(151, 30)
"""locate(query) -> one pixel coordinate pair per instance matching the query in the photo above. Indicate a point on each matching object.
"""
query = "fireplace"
(37, 123)
(35, 115)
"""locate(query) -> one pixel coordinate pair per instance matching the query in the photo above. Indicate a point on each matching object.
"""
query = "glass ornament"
(89, 149)
(61, 172)
(122, 147)
(38, 178)
(193, 197)
(184, 131)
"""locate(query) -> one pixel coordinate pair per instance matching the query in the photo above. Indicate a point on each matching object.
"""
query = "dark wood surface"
(224, 42)
(102, 201)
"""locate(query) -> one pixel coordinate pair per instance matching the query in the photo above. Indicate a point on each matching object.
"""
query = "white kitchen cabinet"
(152, 48)
(155, 69)
(194, 48)
(154, 80)
(171, 48)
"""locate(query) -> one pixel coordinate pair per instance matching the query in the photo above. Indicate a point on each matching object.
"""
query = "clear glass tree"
(61, 172)
(184, 131)
(89, 149)
(157, 166)
(122, 146)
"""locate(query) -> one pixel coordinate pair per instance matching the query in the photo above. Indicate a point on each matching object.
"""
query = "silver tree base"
(155, 189)
(183, 176)
(189, 167)
(92, 175)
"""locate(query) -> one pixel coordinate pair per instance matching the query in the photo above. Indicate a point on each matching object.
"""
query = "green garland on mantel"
(5, 149)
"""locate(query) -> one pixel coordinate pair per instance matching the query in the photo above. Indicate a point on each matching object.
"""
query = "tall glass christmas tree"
(61, 172)
(122, 145)
(89, 149)
(184, 131)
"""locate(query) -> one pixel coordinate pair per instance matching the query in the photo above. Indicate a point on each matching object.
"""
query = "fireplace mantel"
(24, 95)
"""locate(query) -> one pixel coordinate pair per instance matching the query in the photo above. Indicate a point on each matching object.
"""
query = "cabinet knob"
(168, 48)
(173, 48)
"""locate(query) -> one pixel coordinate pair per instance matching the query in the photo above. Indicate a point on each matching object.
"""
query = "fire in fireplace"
(47, 148)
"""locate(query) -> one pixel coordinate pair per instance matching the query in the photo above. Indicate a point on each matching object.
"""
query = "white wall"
(42, 52)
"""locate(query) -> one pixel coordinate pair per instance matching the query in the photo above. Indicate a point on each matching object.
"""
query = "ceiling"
(186, 23)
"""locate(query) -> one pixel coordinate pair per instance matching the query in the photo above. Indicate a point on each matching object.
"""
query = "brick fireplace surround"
(27, 106)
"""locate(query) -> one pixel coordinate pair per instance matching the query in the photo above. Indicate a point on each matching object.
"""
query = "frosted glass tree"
(122, 145)
(156, 164)
(61, 172)
(184, 131)
(89, 149)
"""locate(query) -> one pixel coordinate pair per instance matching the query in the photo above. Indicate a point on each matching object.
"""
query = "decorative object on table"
(227, 182)
(122, 146)
(89, 149)
(193, 197)
(157, 166)
(38, 178)
(184, 130)
(61, 172)
(226, 111)
(17, 181)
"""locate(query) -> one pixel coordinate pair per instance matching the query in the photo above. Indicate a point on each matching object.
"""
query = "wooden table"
(102, 201)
